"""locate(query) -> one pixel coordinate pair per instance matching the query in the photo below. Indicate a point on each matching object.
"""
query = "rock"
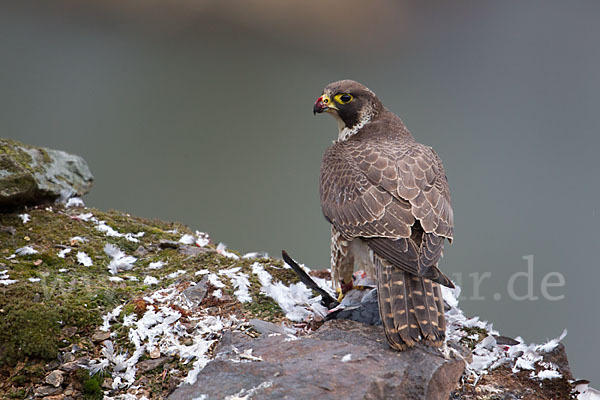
(55, 397)
(52, 365)
(34, 175)
(168, 244)
(43, 391)
(100, 336)
(69, 331)
(148, 365)
(194, 250)
(343, 359)
(71, 366)
(195, 294)
(558, 357)
(174, 382)
(267, 328)
(55, 378)
(70, 390)
(140, 251)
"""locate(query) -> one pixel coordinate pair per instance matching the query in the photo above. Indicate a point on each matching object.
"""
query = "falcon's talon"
(340, 294)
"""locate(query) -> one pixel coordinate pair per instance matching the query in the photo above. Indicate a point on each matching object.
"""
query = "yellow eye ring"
(343, 98)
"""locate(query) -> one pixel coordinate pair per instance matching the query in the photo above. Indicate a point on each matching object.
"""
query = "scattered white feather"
(202, 239)
(159, 329)
(132, 278)
(552, 343)
(150, 280)
(156, 265)
(4, 278)
(25, 218)
(85, 217)
(84, 259)
(102, 226)
(324, 284)
(347, 357)
(64, 252)
(488, 354)
(246, 354)
(98, 366)
(25, 251)
(120, 261)
(222, 249)
(295, 300)
(33, 280)
(79, 239)
(116, 279)
(177, 273)
(548, 374)
(187, 239)
(106, 319)
(255, 254)
(524, 363)
(201, 272)
(133, 237)
(451, 295)
(107, 230)
(240, 282)
(63, 270)
(215, 281)
(129, 320)
(75, 202)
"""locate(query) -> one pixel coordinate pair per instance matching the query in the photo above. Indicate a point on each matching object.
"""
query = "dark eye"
(345, 98)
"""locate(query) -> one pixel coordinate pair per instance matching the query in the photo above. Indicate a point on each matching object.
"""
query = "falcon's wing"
(378, 189)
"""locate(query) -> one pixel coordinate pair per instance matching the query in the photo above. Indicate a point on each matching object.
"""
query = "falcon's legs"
(342, 259)
(363, 257)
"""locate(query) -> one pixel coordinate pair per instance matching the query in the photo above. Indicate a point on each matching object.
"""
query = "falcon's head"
(350, 102)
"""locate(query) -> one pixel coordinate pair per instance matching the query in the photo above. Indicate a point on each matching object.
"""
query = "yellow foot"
(340, 294)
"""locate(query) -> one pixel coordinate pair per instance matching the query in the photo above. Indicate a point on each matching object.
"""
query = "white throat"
(345, 132)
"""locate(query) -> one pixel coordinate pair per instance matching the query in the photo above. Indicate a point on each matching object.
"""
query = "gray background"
(201, 112)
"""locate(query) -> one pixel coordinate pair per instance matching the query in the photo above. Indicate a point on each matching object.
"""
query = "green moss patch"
(63, 307)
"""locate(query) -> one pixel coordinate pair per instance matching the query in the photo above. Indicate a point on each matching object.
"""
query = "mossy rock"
(33, 314)
(35, 175)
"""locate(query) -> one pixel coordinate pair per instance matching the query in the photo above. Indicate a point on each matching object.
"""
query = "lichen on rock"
(35, 175)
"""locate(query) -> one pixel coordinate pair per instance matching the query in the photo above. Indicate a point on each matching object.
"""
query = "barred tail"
(411, 307)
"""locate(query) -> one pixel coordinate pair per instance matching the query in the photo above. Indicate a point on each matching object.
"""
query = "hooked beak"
(323, 104)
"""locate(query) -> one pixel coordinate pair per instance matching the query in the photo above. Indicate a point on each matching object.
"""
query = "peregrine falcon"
(388, 202)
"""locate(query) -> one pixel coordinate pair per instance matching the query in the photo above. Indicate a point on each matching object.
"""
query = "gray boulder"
(32, 175)
(342, 360)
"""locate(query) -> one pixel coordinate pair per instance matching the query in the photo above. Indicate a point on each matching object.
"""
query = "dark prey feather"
(326, 298)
